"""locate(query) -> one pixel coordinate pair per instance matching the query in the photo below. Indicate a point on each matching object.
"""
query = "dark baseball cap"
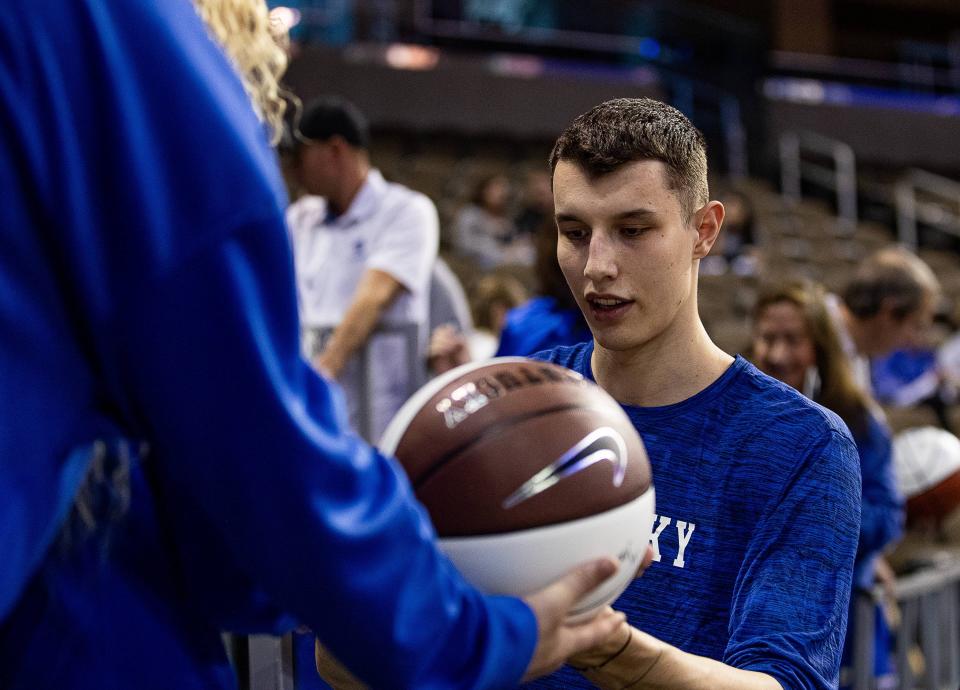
(326, 117)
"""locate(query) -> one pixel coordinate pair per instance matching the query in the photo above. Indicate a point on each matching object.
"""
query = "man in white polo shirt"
(364, 249)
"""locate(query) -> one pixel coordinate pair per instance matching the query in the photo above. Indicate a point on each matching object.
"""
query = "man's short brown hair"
(623, 130)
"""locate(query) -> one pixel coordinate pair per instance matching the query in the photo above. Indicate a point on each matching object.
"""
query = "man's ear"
(707, 222)
(339, 146)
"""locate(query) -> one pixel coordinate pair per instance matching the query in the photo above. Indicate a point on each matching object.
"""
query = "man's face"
(890, 333)
(318, 170)
(626, 251)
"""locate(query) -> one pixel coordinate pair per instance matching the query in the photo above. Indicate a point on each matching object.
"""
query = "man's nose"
(601, 260)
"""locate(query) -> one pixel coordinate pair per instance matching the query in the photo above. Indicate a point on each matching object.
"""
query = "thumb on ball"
(585, 577)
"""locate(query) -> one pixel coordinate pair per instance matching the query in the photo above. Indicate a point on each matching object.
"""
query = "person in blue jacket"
(550, 319)
(169, 466)
(794, 340)
(757, 487)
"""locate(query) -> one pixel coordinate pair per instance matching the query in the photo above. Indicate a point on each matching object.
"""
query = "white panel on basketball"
(519, 563)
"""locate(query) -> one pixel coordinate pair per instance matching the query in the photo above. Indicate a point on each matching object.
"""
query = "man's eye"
(574, 234)
(633, 230)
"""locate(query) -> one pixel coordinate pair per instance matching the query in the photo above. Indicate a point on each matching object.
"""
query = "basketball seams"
(495, 430)
(407, 413)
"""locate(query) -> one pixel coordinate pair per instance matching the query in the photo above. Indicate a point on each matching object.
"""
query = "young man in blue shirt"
(147, 295)
(758, 489)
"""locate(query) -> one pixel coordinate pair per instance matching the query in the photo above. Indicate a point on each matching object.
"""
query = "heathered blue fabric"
(764, 486)
(882, 508)
(147, 292)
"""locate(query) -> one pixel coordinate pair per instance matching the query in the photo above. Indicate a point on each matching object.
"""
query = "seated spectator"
(888, 305)
(552, 318)
(537, 204)
(923, 375)
(735, 251)
(794, 340)
(491, 299)
(483, 230)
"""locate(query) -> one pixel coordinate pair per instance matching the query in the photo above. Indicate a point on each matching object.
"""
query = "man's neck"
(664, 371)
(352, 184)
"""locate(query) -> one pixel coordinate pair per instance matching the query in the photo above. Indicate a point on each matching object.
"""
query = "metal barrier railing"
(415, 364)
(841, 178)
(929, 603)
(912, 210)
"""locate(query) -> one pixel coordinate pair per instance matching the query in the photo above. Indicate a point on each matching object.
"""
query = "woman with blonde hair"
(795, 341)
(256, 45)
(170, 466)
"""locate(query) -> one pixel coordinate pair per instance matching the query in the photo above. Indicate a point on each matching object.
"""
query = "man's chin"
(612, 341)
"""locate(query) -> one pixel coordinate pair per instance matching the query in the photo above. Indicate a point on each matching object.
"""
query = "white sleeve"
(408, 246)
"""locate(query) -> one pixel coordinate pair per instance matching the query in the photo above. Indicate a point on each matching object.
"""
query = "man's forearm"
(352, 333)
(649, 664)
(376, 292)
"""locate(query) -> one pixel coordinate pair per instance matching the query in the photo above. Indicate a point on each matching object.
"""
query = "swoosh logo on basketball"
(604, 444)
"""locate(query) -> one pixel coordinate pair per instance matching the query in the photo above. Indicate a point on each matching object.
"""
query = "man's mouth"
(608, 307)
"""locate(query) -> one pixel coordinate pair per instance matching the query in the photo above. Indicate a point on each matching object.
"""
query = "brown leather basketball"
(513, 444)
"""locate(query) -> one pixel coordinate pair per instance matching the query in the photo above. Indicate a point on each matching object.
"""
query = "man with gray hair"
(888, 305)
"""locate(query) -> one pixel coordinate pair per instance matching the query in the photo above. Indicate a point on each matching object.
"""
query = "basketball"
(927, 466)
(526, 469)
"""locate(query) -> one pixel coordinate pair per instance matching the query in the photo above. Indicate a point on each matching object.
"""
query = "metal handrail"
(929, 602)
(270, 663)
(415, 365)
(910, 210)
(841, 178)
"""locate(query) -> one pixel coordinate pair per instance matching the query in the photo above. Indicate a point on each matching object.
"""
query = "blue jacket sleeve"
(161, 208)
(882, 509)
(252, 446)
(793, 588)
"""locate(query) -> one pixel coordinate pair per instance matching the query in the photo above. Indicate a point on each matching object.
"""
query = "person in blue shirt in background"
(169, 465)
(758, 488)
(550, 319)
(794, 340)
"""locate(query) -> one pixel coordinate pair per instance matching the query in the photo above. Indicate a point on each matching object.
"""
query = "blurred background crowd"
(833, 129)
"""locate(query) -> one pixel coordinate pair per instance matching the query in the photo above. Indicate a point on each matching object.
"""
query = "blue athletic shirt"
(147, 293)
(882, 510)
(758, 516)
(538, 325)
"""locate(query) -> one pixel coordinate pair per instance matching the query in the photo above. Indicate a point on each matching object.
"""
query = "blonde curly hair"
(257, 47)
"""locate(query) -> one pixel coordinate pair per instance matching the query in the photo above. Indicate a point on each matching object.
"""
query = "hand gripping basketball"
(558, 638)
